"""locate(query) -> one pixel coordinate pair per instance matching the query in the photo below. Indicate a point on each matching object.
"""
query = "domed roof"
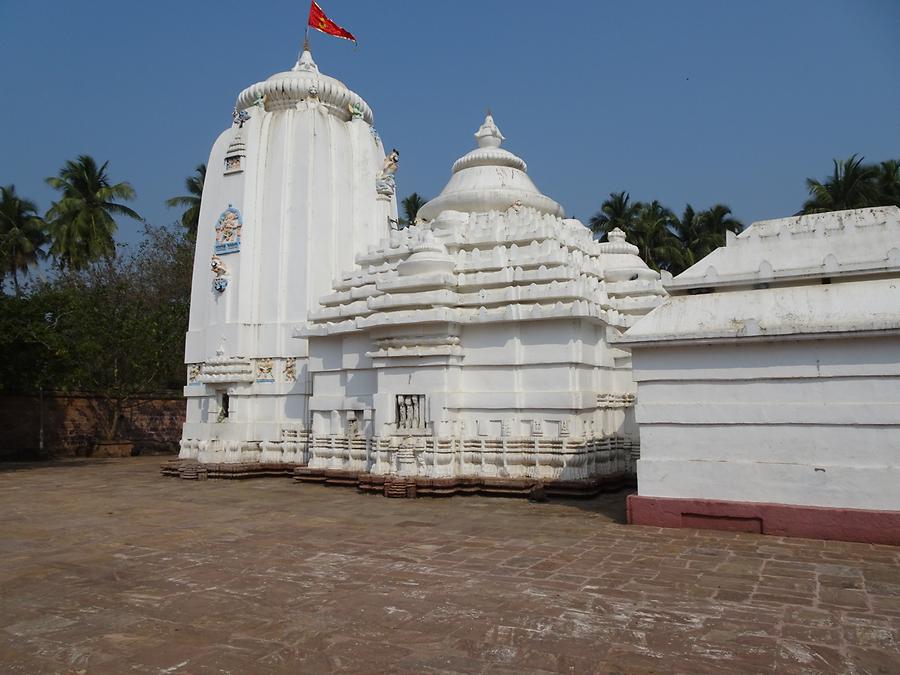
(283, 90)
(621, 259)
(489, 178)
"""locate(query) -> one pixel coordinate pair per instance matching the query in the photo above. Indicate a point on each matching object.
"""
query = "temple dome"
(621, 259)
(303, 81)
(489, 178)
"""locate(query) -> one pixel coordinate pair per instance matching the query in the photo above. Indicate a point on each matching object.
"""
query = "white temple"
(769, 383)
(469, 351)
(472, 350)
(294, 190)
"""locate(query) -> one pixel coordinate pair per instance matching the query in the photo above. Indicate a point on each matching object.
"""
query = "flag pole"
(306, 34)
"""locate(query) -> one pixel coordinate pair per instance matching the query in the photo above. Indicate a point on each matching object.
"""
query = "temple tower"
(476, 350)
(294, 190)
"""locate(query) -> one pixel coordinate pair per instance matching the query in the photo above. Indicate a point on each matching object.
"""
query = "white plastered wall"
(811, 422)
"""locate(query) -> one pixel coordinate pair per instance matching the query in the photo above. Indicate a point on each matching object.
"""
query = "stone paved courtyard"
(105, 567)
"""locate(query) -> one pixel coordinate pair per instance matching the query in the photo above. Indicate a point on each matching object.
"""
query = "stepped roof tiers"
(472, 351)
(769, 383)
(295, 188)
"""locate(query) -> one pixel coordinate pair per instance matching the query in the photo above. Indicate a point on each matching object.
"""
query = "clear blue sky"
(697, 101)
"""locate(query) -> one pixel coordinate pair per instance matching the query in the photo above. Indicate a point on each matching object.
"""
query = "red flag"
(320, 22)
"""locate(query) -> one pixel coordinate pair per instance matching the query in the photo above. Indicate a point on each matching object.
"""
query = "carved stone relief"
(290, 369)
(410, 412)
(264, 370)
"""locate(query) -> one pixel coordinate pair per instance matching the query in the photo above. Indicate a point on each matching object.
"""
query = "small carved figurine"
(414, 403)
(290, 370)
(193, 373)
(239, 117)
(385, 183)
(220, 282)
(402, 411)
(391, 162)
(356, 111)
(264, 370)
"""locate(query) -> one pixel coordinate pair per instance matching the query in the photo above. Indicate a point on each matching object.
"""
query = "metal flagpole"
(306, 34)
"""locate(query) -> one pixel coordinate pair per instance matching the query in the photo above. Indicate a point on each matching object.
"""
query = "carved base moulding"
(403, 486)
(188, 469)
(420, 486)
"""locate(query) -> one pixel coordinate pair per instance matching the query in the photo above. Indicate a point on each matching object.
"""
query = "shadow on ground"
(69, 463)
(611, 505)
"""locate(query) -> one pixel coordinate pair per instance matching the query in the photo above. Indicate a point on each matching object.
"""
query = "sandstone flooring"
(106, 567)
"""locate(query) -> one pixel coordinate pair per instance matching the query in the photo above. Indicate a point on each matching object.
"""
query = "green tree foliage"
(701, 233)
(651, 231)
(190, 219)
(22, 234)
(665, 241)
(114, 329)
(888, 181)
(617, 211)
(411, 206)
(81, 222)
(852, 185)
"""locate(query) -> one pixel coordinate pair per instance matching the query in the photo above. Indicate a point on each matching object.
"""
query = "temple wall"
(519, 399)
(808, 422)
(72, 425)
(514, 372)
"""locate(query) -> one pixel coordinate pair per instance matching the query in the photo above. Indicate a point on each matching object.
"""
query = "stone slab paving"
(106, 567)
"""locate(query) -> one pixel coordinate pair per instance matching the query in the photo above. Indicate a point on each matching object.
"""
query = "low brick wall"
(72, 424)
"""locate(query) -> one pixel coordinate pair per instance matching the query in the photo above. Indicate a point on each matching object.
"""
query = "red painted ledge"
(786, 520)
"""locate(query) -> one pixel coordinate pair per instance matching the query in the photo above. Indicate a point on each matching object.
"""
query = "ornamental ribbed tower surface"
(295, 189)
(480, 343)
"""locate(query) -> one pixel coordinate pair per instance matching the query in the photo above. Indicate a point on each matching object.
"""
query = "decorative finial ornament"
(305, 63)
(488, 135)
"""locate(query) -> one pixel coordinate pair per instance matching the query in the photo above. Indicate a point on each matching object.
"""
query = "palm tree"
(688, 228)
(411, 206)
(81, 222)
(852, 185)
(889, 182)
(22, 233)
(652, 233)
(617, 211)
(190, 219)
(702, 233)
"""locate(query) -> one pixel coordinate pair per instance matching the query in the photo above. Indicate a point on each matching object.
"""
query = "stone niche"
(410, 414)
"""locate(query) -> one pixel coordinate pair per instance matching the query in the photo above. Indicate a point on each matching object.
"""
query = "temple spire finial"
(305, 60)
(488, 135)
